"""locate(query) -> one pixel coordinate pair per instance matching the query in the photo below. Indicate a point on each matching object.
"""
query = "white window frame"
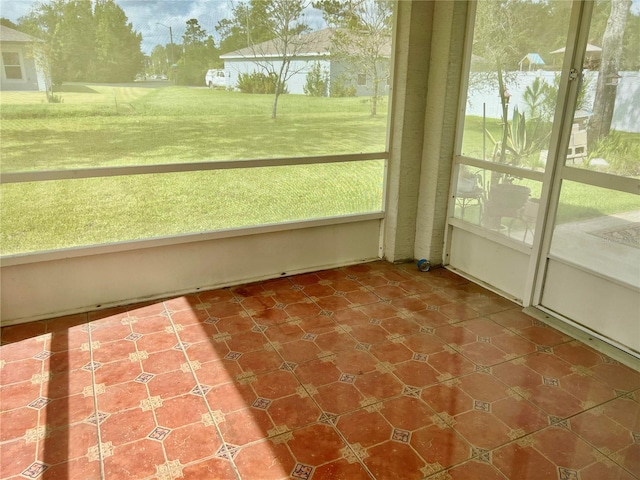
(17, 51)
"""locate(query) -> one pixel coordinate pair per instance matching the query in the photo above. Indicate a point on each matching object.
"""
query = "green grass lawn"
(99, 126)
(104, 126)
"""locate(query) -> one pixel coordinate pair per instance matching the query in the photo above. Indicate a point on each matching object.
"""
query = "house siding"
(295, 84)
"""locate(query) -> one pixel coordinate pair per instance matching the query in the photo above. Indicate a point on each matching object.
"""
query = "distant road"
(147, 84)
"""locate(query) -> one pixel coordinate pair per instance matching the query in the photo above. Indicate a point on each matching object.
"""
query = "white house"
(18, 63)
(309, 49)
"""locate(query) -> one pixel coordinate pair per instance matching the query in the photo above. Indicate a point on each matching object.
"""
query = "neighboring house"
(311, 48)
(19, 68)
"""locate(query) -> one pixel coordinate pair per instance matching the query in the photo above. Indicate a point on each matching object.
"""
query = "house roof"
(316, 43)
(533, 58)
(10, 35)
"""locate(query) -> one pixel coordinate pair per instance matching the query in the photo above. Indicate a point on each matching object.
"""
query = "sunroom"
(482, 172)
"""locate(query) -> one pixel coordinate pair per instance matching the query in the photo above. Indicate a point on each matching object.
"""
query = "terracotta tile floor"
(371, 371)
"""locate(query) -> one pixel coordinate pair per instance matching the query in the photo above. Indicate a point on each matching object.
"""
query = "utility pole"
(173, 55)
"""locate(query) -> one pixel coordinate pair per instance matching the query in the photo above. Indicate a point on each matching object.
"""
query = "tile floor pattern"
(369, 371)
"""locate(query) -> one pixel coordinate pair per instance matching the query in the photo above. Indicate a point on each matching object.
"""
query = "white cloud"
(146, 15)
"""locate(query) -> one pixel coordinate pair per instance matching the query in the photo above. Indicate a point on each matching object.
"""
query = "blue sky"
(146, 14)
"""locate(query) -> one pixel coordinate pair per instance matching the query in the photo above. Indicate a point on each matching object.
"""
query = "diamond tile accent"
(39, 403)
(339, 294)
(481, 454)
(625, 394)
(259, 328)
(302, 471)
(363, 346)
(144, 377)
(261, 403)
(92, 366)
(482, 406)
(402, 436)
(35, 470)
(159, 433)
(328, 418)
(233, 355)
(558, 421)
(544, 349)
(326, 313)
(129, 321)
(211, 320)
(411, 391)
(181, 346)
(132, 337)
(97, 419)
(227, 451)
(43, 355)
(375, 321)
(567, 474)
(636, 437)
(309, 336)
(347, 378)
(429, 330)
(483, 339)
(201, 390)
(420, 357)
(433, 308)
(280, 306)
(87, 327)
(554, 382)
(288, 366)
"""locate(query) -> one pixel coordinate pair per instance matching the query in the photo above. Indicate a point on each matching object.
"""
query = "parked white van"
(216, 78)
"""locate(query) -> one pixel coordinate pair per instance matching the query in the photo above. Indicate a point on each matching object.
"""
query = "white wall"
(49, 285)
(626, 115)
(299, 69)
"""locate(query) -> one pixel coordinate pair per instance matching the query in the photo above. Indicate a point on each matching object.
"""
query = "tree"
(281, 22)
(118, 54)
(249, 25)
(612, 49)
(317, 82)
(362, 39)
(199, 54)
(160, 60)
(7, 23)
(83, 45)
(74, 37)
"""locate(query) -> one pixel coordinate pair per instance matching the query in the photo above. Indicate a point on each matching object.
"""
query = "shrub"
(317, 81)
(622, 154)
(258, 82)
(340, 87)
